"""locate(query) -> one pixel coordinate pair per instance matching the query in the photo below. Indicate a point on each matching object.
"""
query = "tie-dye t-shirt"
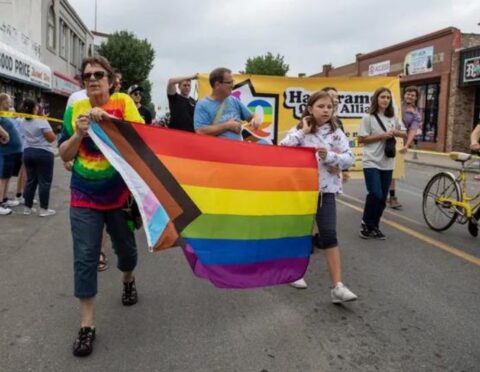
(95, 183)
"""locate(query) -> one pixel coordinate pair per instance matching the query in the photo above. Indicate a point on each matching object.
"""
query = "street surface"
(418, 307)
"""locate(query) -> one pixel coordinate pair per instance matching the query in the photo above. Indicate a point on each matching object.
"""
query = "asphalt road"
(418, 307)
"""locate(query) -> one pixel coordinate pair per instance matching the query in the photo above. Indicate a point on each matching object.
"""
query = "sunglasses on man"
(97, 75)
(137, 93)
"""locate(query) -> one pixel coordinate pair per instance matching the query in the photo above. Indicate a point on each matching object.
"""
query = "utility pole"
(95, 27)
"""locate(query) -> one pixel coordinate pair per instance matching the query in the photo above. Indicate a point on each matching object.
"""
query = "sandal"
(129, 295)
(102, 262)
(83, 345)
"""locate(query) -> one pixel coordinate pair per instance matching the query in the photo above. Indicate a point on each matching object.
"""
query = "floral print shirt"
(339, 154)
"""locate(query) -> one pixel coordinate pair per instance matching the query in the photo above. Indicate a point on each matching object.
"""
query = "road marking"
(436, 243)
(411, 220)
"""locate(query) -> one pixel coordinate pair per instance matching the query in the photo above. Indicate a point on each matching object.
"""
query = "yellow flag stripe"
(252, 203)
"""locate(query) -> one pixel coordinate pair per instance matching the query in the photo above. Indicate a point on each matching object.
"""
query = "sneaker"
(340, 293)
(11, 203)
(394, 203)
(5, 211)
(129, 295)
(83, 345)
(20, 199)
(473, 227)
(377, 234)
(46, 212)
(366, 233)
(28, 211)
(299, 284)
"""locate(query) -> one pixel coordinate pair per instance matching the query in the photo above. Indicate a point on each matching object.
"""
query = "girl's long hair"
(389, 112)
(311, 101)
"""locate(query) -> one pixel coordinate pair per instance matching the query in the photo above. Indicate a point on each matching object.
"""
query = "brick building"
(445, 66)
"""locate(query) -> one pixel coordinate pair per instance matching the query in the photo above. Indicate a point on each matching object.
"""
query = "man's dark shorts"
(10, 165)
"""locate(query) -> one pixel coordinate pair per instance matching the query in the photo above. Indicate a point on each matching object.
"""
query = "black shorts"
(327, 221)
(10, 165)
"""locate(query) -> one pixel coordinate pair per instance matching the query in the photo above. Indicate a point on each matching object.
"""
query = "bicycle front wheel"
(440, 215)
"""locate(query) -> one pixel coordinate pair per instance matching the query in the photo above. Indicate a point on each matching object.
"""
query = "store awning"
(64, 85)
(18, 66)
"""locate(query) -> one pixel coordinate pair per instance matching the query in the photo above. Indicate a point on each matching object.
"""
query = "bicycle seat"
(460, 156)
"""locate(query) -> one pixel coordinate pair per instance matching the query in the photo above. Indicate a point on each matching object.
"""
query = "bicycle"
(445, 199)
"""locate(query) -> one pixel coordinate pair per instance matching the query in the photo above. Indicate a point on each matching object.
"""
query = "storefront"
(62, 87)
(445, 67)
(469, 77)
(425, 63)
(22, 76)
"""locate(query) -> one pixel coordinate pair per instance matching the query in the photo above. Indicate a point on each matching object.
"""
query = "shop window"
(63, 39)
(73, 48)
(428, 106)
(51, 29)
(81, 53)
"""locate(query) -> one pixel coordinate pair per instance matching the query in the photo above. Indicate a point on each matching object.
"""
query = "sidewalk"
(439, 160)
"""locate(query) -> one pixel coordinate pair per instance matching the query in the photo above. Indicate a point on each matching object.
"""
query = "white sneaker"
(11, 203)
(299, 284)
(342, 294)
(5, 211)
(46, 212)
(28, 211)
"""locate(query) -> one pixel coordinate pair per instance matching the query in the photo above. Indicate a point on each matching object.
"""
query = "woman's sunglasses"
(97, 75)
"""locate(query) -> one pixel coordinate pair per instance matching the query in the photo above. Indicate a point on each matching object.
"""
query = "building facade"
(22, 73)
(42, 44)
(65, 42)
(433, 63)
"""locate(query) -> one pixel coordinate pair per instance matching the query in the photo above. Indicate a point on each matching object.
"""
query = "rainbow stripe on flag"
(243, 212)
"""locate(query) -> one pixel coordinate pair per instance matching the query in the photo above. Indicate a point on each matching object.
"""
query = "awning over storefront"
(63, 84)
(18, 66)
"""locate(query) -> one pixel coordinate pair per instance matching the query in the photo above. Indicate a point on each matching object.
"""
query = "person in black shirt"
(181, 105)
(135, 91)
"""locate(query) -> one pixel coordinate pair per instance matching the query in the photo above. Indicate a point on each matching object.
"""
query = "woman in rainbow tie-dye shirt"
(98, 193)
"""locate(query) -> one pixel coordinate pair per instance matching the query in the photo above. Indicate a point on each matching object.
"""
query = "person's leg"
(385, 178)
(473, 223)
(4, 210)
(3, 189)
(87, 226)
(327, 226)
(30, 163)
(123, 243)
(102, 261)
(86, 312)
(373, 200)
(45, 176)
(326, 219)
(392, 200)
(21, 180)
(332, 257)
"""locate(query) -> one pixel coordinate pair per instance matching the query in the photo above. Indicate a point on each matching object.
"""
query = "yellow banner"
(280, 101)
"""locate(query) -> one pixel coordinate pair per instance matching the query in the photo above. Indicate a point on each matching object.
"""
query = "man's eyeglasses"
(137, 93)
(97, 75)
(231, 82)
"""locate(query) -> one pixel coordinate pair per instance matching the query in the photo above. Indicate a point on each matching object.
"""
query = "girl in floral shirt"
(318, 129)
